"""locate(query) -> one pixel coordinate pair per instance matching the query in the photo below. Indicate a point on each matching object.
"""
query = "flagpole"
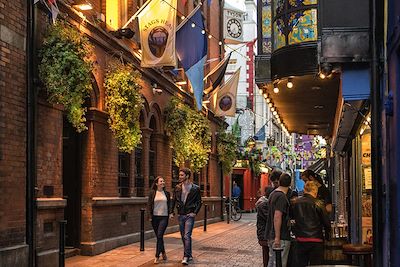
(188, 17)
(137, 13)
(216, 67)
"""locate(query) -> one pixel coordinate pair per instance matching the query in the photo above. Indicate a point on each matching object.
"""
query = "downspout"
(30, 135)
(378, 197)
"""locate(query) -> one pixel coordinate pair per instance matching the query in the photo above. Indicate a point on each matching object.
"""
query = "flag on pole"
(223, 99)
(217, 74)
(157, 26)
(191, 49)
(52, 7)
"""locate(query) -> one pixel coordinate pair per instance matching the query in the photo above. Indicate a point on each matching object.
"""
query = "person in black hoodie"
(159, 210)
(310, 218)
(187, 198)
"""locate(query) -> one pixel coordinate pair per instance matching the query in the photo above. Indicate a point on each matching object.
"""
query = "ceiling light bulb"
(265, 96)
(268, 99)
(182, 17)
(209, 36)
(220, 43)
(203, 32)
(275, 113)
(322, 76)
(270, 104)
(193, 25)
(289, 83)
(276, 90)
(273, 109)
(260, 91)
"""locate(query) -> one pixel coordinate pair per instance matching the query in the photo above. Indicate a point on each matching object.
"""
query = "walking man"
(278, 232)
(187, 198)
(310, 218)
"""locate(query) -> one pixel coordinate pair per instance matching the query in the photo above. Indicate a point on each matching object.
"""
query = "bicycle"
(236, 212)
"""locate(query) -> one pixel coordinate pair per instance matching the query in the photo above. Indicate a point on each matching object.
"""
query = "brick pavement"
(222, 245)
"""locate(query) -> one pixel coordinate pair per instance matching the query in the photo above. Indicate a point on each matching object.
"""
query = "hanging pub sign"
(233, 26)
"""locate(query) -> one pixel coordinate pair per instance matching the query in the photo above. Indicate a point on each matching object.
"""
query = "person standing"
(187, 198)
(310, 218)
(323, 192)
(236, 191)
(158, 207)
(278, 232)
(262, 215)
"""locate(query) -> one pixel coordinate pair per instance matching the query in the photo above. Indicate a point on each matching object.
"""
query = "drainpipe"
(30, 135)
(378, 197)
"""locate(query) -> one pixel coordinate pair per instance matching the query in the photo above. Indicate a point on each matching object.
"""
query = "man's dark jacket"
(310, 217)
(150, 202)
(193, 200)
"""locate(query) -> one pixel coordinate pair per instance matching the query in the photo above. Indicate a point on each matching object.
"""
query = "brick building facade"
(83, 178)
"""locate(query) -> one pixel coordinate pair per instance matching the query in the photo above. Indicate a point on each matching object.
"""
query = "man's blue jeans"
(186, 224)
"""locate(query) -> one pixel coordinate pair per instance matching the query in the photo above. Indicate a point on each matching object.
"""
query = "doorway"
(72, 184)
(238, 178)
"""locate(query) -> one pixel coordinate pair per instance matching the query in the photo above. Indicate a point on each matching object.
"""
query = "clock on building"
(234, 28)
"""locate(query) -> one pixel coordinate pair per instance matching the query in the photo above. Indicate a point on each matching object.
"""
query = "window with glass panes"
(123, 174)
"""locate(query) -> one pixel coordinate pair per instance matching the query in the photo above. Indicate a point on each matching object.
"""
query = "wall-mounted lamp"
(82, 5)
(156, 90)
(181, 83)
(276, 89)
(289, 83)
(123, 33)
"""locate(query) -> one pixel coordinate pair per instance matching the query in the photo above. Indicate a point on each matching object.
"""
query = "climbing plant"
(227, 150)
(124, 103)
(190, 134)
(65, 69)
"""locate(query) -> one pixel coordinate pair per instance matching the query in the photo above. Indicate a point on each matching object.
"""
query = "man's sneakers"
(156, 260)
(190, 259)
(185, 261)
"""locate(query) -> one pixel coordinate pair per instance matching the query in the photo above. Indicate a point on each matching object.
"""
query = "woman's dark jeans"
(159, 224)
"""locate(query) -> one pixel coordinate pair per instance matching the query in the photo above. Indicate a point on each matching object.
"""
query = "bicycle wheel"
(236, 214)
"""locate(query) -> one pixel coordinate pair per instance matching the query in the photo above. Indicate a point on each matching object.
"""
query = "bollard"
(205, 217)
(142, 210)
(61, 251)
(228, 211)
(278, 256)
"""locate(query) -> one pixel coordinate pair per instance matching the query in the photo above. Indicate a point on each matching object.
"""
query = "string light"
(210, 35)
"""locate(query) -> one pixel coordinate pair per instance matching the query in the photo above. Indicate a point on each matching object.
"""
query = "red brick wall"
(49, 148)
(12, 122)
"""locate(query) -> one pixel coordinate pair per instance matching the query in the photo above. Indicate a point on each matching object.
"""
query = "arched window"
(139, 174)
(152, 152)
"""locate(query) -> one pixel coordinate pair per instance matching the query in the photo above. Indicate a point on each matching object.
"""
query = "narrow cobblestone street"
(223, 244)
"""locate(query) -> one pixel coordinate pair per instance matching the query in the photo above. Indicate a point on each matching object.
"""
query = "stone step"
(70, 252)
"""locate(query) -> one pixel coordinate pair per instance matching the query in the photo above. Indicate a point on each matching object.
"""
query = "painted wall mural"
(266, 26)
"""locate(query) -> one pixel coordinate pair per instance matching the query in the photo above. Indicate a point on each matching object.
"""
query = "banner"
(157, 24)
(223, 100)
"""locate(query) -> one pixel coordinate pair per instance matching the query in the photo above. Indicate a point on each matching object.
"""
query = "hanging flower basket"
(65, 69)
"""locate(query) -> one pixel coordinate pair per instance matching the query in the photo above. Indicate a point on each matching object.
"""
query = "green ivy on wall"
(65, 69)
(124, 103)
(227, 150)
(190, 134)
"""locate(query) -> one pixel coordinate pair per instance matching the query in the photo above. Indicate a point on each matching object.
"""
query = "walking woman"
(159, 210)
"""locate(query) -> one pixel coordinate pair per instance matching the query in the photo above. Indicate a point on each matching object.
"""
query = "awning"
(318, 166)
(355, 83)
(355, 93)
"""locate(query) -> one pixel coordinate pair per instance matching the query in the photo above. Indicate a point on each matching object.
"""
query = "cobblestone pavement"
(223, 244)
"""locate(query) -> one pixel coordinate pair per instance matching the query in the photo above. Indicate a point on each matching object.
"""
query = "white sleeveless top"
(160, 204)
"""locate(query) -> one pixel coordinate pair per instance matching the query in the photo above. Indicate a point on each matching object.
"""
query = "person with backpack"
(277, 228)
(262, 215)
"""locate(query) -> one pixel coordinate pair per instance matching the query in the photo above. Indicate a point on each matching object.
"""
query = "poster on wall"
(367, 178)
